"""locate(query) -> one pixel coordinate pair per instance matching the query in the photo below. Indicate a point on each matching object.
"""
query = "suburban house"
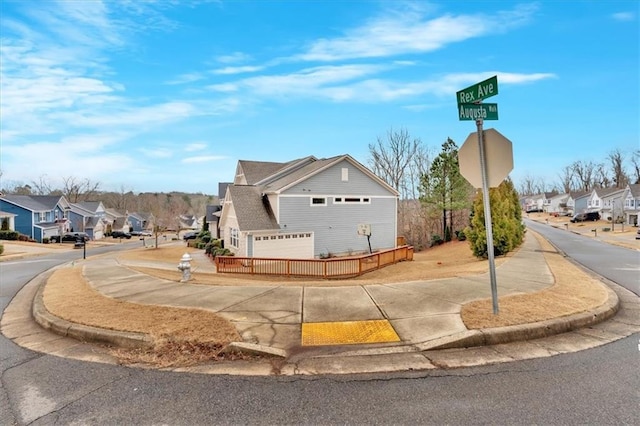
(606, 201)
(38, 216)
(89, 217)
(580, 201)
(631, 200)
(537, 202)
(116, 221)
(565, 204)
(307, 208)
(189, 221)
(140, 221)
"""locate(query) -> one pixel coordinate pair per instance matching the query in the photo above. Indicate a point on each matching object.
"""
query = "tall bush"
(506, 215)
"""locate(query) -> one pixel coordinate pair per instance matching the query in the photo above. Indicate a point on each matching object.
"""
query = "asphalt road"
(600, 385)
(618, 264)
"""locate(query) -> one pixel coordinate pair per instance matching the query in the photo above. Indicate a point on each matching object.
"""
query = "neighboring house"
(212, 218)
(580, 202)
(558, 205)
(606, 201)
(141, 221)
(38, 216)
(116, 221)
(89, 217)
(572, 199)
(631, 202)
(189, 221)
(307, 208)
(537, 202)
(7, 221)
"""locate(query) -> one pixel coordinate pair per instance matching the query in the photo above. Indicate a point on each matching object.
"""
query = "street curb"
(83, 333)
(536, 330)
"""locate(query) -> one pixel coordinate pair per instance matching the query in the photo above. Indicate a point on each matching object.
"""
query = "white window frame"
(42, 216)
(234, 237)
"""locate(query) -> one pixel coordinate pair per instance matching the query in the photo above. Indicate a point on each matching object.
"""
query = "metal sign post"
(470, 107)
(487, 217)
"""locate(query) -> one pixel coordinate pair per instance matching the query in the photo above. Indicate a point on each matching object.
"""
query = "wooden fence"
(339, 267)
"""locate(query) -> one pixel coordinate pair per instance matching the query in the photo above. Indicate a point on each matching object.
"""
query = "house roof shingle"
(252, 210)
(36, 203)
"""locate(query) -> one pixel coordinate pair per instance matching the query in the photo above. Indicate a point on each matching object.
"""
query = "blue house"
(140, 221)
(38, 216)
(308, 208)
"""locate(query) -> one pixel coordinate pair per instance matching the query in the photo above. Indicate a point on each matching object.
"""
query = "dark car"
(120, 234)
(190, 236)
(70, 237)
(584, 217)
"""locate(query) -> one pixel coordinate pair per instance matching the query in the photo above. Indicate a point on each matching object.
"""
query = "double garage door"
(297, 245)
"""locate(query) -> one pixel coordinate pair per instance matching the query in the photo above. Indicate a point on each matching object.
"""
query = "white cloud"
(234, 58)
(238, 70)
(624, 16)
(203, 159)
(186, 78)
(197, 146)
(397, 33)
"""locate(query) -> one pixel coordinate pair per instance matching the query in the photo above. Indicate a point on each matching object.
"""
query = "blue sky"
(168, 95)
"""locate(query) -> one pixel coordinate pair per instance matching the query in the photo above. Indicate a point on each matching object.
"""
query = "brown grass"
(573, 292)
(181, 336)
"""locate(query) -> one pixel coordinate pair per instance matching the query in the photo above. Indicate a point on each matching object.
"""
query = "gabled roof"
(579, 194)
(35, 203)
(606, 192)
(212, 209)
(80, 210)
(91, 206)
(635, 190)
(256, 171)
(253, 211)
(114, 213)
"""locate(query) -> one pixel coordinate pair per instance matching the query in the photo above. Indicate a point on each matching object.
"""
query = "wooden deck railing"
(339, 267)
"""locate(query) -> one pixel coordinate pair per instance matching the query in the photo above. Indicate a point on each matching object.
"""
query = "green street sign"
(477, 111)
(477, 92)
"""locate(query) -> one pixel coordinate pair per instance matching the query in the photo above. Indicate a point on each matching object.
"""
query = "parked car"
(121, 234)
(583, 217)
(146, 233)
(69, 237)
(638, 234)
(190, 236)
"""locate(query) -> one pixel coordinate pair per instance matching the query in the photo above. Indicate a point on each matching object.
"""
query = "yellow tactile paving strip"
(348, 332)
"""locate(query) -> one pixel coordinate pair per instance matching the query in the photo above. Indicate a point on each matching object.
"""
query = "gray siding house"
(307, 208)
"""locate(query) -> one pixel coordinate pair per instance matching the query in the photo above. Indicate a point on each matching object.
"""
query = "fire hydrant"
(185, 267)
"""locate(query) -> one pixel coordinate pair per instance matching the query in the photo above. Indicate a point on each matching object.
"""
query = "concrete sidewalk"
(424, 314)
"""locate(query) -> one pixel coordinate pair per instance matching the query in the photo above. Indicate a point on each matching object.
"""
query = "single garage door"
(297, 245)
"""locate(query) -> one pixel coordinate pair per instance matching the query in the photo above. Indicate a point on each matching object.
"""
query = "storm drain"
(348, 332)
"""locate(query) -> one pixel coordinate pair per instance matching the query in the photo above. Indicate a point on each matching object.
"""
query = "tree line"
(618, 170)
(166, 207)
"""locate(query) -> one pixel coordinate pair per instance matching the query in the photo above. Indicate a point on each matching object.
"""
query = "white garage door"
(284, 246)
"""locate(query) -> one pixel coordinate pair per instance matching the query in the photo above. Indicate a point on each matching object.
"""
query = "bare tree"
(392, 157)
(620, 177)
(584, 173)
(601, 177)
(401, 161)
(79, 190)
(567, 179)
(635, 162)
(42, 186)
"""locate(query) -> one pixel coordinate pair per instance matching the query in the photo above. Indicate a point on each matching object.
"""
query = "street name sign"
(477, 111)
(479, 91)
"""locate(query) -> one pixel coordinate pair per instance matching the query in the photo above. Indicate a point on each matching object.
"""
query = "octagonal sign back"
(499, 158)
